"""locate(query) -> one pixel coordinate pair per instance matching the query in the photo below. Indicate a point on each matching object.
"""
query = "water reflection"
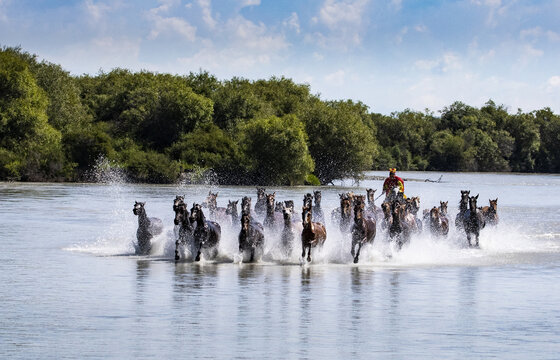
(142, 274)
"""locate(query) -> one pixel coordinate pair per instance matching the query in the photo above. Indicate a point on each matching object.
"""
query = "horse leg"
(477, 234)
(177, 257)
(198, 253)
(352, 252)
(252, 255)
(309, 254)
(303, 251)
(469, 239)
(357, 253)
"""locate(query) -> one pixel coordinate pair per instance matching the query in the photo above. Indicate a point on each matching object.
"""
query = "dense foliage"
(159, 127)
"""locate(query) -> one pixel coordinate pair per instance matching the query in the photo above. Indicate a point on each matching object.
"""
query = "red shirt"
(393, 182)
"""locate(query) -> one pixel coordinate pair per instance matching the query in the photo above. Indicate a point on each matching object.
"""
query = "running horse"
(313, 234)
(463, 208)
(251, 236)
(148, 227)
(206, 234)
(363, 229)
(439, 224)
(260, 206)
(231, 210)
(273, 219)
(400, 229)
(290, 229)
(473, 221)
(185, 236)
(490, 213)
(317, 211)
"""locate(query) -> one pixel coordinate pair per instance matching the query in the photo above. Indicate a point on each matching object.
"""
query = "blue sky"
(391, 55)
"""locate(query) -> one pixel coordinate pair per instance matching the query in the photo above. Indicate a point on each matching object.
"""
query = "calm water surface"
(71, 286)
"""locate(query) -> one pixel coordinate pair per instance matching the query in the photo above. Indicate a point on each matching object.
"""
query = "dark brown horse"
(473, 221)
(439, 224)
(317, 210)
(313, 234)
(463, 208)
(185, 234)
(273, 219)
(490, 213)
(372, 209)
(400, 229)
(363, 229)
(206, 233)
(251, 237)
(387, 216)
(231, 210)
(260, 206)
(290, 229)
(246, 205)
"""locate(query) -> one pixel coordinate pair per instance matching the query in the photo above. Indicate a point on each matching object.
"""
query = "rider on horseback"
(393, 182)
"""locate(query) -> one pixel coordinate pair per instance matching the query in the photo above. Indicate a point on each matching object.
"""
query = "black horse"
(363, 229)
(231, 210)
(290, 229)
(251, 237)
(273, 219)
(185, 234)
(147, 229)
(206, 234)
(473, 221)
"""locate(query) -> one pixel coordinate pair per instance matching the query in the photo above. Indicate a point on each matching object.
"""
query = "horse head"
(464, 202)
(270, 201)
(317, 196)
(443, 207)
(246, 205)
(196, 214)
(231, 208)
(434, 214)
(308, 200)
(472, 203)
(138, 208)
(261, 193)
(180, 209)
(287, 212)
(290, 204)
(370, 195)
(494, 205)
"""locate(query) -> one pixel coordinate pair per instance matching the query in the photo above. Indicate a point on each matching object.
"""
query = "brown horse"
(313, 234)
(251, 236)
(387, 217)
(400, 229)
(490, 213)
(439, 224)
(363, 230)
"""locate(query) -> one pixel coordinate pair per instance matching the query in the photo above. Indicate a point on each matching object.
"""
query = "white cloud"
(292, 22)
(169, 25)
(448, 62)
(421, 28)
(206, 7)
(396, 4)
(334, 13)
(553, 84)
(537, 33)
(96, 10)
(337, 78)
(245, 3)
(401, 34)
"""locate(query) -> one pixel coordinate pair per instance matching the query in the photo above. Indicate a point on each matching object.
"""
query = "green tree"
(339, 141)
(31, 148)
(276, 150)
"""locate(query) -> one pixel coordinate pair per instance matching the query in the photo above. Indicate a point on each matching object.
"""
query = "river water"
(71, 286)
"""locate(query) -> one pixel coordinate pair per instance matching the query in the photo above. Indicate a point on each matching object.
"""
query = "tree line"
(160, 127)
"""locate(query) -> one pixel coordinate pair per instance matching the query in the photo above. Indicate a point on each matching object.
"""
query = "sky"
(391, 55)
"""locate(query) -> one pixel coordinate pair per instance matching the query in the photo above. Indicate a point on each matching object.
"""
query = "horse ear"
(476, 197)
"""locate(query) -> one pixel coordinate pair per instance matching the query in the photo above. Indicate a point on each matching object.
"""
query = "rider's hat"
(392, 170)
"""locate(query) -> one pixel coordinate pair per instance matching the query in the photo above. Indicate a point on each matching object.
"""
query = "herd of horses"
(357, 215)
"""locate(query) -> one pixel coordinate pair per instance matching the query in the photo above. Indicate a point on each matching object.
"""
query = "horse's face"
(290, 204)
(317, 196)
(416, 202)
(494, 204)
(345, 206)
(246, 205)
(443, 207)
(287, 212)
(181, 213)
(138, 208)
(278, 207)
(472, 202)
(306, 215)
(434, 213)
(196, 212)
(270, 200)
(231, 207)
(178, 200)
(307, 200)
(358, 211)
(261, 193)
(370, 195)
